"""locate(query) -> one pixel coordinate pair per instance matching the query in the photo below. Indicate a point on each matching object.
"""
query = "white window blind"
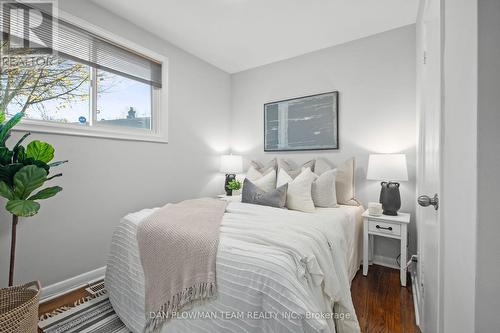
(72, 42)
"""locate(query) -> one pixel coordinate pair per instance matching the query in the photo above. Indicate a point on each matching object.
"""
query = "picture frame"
(302, 123)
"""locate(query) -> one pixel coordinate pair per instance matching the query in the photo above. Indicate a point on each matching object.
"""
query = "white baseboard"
(417, 295)
(63, 287)
(384, 261)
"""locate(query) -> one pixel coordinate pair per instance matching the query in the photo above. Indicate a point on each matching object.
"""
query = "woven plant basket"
(19, 308)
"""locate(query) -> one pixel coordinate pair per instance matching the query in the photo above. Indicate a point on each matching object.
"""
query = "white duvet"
(277, 271)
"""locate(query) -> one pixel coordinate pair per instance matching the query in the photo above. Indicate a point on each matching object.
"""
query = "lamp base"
(229, 178)
(390, 198)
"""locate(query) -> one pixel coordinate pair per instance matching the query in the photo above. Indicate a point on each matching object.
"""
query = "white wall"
(106, 179)
(459, 180)
(376, 80)
(488, 155)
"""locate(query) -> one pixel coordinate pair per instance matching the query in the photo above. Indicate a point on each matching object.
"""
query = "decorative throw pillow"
(291, 170)
(266, 183)
(261, 175)
(323, 190)
(254, 195)
(298, 196)
(321, 166)
(257, 169)
(272, 164)
(344, 181)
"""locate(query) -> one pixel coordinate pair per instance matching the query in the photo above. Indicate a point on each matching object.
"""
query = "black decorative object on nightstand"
(229, 178)
(230, 165)
(390, 198)
(390, 168)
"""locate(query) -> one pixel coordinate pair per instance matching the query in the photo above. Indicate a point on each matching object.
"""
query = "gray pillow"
(254, 195)
(294, 171)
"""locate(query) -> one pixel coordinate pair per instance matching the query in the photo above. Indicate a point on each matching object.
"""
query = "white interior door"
(429, 63)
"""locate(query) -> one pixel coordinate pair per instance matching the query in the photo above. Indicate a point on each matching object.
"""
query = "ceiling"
(235, 35)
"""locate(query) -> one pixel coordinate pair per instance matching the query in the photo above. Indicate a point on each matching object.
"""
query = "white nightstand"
(230, 198)
(385, 226)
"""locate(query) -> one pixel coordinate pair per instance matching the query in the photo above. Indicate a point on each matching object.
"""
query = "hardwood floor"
(382, 305)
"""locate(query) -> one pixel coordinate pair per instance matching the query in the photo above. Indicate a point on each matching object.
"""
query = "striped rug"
(93, 316)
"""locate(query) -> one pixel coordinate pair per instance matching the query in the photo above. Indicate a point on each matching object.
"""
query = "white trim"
(417, 294)
(385, 261)
(27, 125)
(159, 100)
(54, 290)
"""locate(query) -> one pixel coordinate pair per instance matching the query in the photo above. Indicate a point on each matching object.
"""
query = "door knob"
(425, 201)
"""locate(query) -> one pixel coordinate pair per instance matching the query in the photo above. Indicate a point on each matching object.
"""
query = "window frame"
(159, 100)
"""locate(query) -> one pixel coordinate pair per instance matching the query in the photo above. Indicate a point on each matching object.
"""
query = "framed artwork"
(303, 123)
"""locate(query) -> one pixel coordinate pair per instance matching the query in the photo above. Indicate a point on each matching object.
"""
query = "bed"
(273, 267)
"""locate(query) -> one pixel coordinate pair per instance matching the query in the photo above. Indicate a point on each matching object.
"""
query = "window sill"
(127, 134)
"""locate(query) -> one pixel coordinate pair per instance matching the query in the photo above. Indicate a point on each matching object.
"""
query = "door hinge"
(425, 58)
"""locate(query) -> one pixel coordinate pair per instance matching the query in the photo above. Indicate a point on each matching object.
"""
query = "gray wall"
(106, 179)
(488, 156)
(376, 80)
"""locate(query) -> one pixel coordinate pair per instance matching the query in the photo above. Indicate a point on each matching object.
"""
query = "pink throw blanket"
(178, 248)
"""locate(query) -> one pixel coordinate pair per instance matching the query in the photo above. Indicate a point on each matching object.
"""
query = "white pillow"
(344, 181)
(257, 169)
(283, 178)
(323, 193)
(262, 176)
(253, 174)
(323, 190)
(266, 182)
(298, 196)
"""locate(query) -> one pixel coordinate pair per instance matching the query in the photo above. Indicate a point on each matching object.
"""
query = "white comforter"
(277, 271)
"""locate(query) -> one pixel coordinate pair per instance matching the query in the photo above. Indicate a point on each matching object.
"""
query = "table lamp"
(230, 165)
(389, 168)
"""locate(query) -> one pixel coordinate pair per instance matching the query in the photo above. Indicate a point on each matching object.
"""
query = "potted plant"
(23, 173)
(233, 185)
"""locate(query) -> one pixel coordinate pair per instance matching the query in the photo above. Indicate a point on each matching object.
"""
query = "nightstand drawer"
(385, 228)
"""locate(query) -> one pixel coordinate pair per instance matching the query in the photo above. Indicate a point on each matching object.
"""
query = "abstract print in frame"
(303, 123)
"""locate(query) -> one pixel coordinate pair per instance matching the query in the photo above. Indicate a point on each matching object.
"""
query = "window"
(63, 102)
(119, 101)
(122, 102)
(85, 84)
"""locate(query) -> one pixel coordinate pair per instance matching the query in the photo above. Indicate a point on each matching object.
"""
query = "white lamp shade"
(387, 167)
(231, 164)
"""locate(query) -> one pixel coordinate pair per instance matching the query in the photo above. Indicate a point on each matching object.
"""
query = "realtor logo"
(27, 26)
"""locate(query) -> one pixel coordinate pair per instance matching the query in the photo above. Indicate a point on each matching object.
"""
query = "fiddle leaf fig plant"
(24, 170)
(23, 173)
(21, 202)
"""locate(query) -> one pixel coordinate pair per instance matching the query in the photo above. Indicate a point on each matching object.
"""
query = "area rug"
(95, 315)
